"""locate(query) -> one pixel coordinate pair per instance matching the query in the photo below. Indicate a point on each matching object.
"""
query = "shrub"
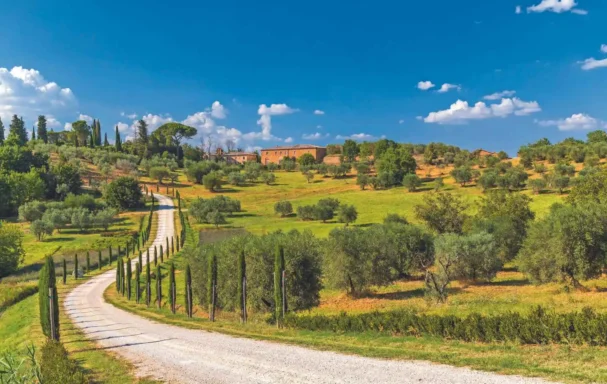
(11, 248)
(41, 228)
(212, 181)
(85, 201)
(236, 178)
(393, 218)
(283, 207)
(32, 211)
(306, 212)
(268, 177)
(124, 193)
(57, 368)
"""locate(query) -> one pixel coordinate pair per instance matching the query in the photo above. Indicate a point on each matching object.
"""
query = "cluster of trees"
(214, 210)
(579, 151)
(326, 209)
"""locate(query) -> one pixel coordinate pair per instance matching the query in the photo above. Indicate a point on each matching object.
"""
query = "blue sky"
(361, 65)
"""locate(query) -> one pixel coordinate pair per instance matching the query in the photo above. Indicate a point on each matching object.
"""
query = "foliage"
(195, 172)
(306, 159)
(347, 214)
(159, 173)
(212, 181)
(41, 228)
(236, 178)
(268, 177)
(412, 182)
(11, 248)
(46, 283)
(306, 212)
(396, 162)
(31, 211)
(124, 193)
(442, 212)
(283, 208)
(211, 211)
(362, 180)
(171, 134)
(57, 368)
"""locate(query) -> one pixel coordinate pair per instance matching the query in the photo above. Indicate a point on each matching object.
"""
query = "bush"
(236, 178)
(212, 181)
(283, 207)
(268, 177)
(124, 193)
(393, 218)
(11, 248)
(80, 201)
(473, 257)
(31, 211)
(57, 368)
(195, 172)
(200, 209)
(539, 326)
(306, 212)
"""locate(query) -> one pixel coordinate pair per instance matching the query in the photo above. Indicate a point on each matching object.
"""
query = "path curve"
(179, 355)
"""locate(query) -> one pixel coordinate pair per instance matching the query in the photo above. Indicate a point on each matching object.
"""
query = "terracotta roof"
(239, 154)
(297, 146)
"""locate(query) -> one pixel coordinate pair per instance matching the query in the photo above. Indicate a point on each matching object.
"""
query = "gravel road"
(178, 355)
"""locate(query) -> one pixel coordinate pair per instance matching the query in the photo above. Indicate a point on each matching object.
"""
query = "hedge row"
(540, 326)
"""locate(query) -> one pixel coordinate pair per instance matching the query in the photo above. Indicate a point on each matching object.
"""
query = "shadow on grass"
(401, 295)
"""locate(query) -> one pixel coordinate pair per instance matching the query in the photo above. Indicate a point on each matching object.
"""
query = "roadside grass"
(258, 201)
(11, 293)
(555, 362)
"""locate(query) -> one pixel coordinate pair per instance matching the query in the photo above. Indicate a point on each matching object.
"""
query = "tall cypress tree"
(47, 289)
(139, 260)
(159, 286)
(33, 134)
(118, 141)
(148, 284)
(167, 248)
(129, 276)
(88, 262)
(123, 276)
(16, 133)
(64, 271)
(1, 132)
(42, 132)
(161, 254)
(110, 255)
(118, 277)
(155, 255)
(172, 287)
(75, 266)
(105, 142)
(242, 272)
(137, 282)
(188, 290)
(212, 285)
(279, 266)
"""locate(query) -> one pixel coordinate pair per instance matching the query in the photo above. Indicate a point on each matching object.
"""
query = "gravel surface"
(178, 355)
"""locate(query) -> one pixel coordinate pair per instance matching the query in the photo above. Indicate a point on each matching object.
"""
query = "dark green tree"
(17, 134)
(350, 150)
(188, 290)
(75, 266)
(159, 286)
(242, 273)
(212, 285)
(88, 262)
(161, 254)
(118, 277)
(48, 300)
(64, 271)
(118, 143)
(279, 266)
(124, 193)
(106, 143)
(33, 134)
(137, 282)
(1, 132)
(99, 260)
(172, 287)
(129, 277)
(155, 255)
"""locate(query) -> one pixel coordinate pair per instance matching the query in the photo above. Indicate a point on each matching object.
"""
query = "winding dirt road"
(178, 355)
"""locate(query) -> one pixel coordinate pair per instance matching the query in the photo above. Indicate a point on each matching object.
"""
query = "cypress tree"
(155, 255)
(47, 292)
(177, 243)
(118, 141)
(64, 271)
(1, 132)
(137, 281)
(240, 297)
(98, 135)
(105, 142)
(119, 251)
(33, 134)
(279, 262)
(118, 277)
(17, 135)
(129, 277)
(161, 254)
(172, 287)
(75, 266)
(128, 248)
(212, 285)
(42, 132)
(88, 262)
(173, 245)
(99, 260)
(123, 276)
(92, 141)
(147, 256)
(110, 249)
(139, 259)
(168, 249)
(148, 284)
(188, 290)
(159, 286)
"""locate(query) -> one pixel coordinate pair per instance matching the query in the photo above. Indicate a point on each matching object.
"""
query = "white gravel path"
(178, 355)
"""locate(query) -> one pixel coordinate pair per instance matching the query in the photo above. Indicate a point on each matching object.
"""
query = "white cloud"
(557, 6)
(518, 10)
(447, 87)
(461, 112)
(218, 111)
(319, 127)
(579, 121)
(67, 127)
(289, 140)
(425, 85)
(357, 137)
(51, 122)
(129, 116)
(499, 95)
(319, 112)
(155, 121)
(265, 119)
(401, 121)
(86, 118)
(314, 136)
(593, 63)
(27, 93)
(604, 48)
(123, 127)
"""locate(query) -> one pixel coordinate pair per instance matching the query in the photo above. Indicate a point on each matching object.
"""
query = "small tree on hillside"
(309, 176)
(268, 177)
(124, 193)
(412, 182)
(283, 207)
(347, 214)
(212, 181)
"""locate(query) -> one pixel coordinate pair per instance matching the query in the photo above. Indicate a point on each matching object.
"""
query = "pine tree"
(240, 297)
(42, 132)
(279, 266)
(159, 286)
(64, 271)
(16, 133)
(106, 143)
(1, 132)
(172, 287)
(188, 290)
(212, 285)
(48, 292)
(129, 276)
(75, 266)
(118, 141)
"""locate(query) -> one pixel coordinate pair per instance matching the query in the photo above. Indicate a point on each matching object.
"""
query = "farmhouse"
(239, 157)
(275, 154)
